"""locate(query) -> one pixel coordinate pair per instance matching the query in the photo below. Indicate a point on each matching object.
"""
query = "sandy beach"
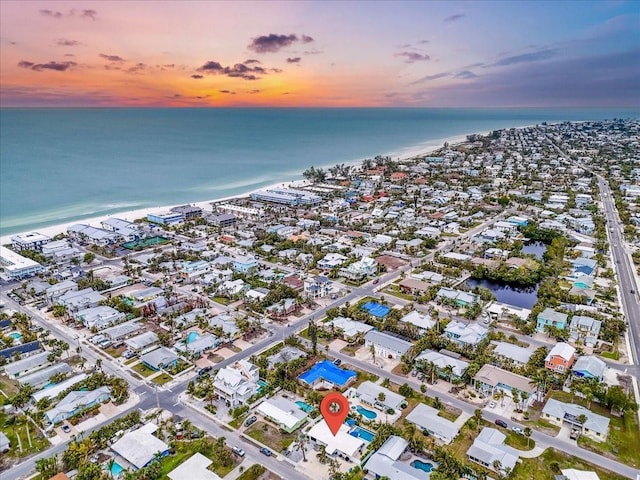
(403, 155)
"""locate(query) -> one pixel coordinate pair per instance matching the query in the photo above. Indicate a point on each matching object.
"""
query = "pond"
(535, 248)
(523, 297)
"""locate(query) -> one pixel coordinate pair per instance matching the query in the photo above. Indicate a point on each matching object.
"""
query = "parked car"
(575, 433)
(492, 404)
(337, 362)
(250, 421)
(501, 423)
(376, 281)
(204, 371)
(238, 451)
(66, 428)
(414, 373)
(266, 451)
(518, 430)
(129, 354)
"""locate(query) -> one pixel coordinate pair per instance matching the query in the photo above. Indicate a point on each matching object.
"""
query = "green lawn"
(396, 292)
(184, 450)
(624, 433)
(271, 437)
(143, 370)
(253, 472)
(547, 465)
(615, 355)
(9, 387)
(13, 427)
(222, 300)
(162, 378)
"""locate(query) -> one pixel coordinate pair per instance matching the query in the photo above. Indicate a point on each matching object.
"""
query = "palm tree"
(322, 454)
(372, 351)
(300, 445)
(527, 433)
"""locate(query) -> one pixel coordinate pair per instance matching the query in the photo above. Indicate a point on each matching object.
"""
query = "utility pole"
(157, 398)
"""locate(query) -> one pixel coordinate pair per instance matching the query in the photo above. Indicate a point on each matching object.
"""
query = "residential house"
(194, 468)
(379, 397)
(27, 365)
(351, 330)
(237, 383)
(489, 450)
(198, 346)
(551, 318)
(588, 366)
(560, 358)
(386, 462)
(285, 355)
(458, 297)
(76, 402)
(584, 329)
(100, 317)
(341, 445)
(510, 353)
(422, 321)
(142, 341)
(490, 379)
(465, 334)
(447, 365)
(362, 268)
(160, 359)
(245, 264)
(5, 444)
(573, 474)
(283, 308)
(595, 426)
(80, 299)
(283, 412)
(317, 286)
(427, 419)
(140, 447)
(385, 345)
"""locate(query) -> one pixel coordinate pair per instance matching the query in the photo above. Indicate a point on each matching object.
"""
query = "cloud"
(294, 60)
(239, 70)
(465, 75)
(251, 61)
(274, 42)
(137, 68)
(453, 18)
(228, 92)
(38, 67)
(65, 42)
(253, 92)
(197, 77)
(313, 52)
(112, 58)
(92, 14)
(423, 42)
(51, 14)
(411, 57)
(429, 78)
(525, 58)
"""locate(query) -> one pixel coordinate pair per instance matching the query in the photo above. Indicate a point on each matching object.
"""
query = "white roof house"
(518, 354)
(589, 366)
(369, 392)
(421, 320)
(561, 349)
(386, 345)
(41, 377)
(16, 266)
(100, 317)
(489, 447)
(442, 361)
(75, 401)
(350, 328)
(141, 341)
(53, 391)
(465, 334)
(384, 462)
(194, 468)
(27, 365)
(236, 383)
(573, 474)
(595, 426)
(426, 418)
(140, 447)
(286, 414)
(342, 443)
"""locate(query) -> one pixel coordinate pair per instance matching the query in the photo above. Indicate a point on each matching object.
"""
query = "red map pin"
(334, 409)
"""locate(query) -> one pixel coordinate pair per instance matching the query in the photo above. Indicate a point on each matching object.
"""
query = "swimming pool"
(366, 413)
(116, 468)
(15, 335)
(305, 407)
(192, 337)
(366, 435)
(420, 465)
(261, 385)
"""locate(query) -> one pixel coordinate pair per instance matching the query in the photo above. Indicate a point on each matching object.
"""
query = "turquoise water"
(153, 156)
(116, 468)
(305, 407)
(420, 465)
(366, 435)
(192, 337)
(262, 385)
(16, 335)
(366, 413)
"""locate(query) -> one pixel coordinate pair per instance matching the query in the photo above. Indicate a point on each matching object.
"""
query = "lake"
(524, 297)
(535, 248)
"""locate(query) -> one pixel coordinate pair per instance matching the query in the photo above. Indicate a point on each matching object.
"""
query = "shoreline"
(403, 155)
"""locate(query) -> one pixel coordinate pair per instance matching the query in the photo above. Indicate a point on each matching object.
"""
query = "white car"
(492, 404)
(518, 430)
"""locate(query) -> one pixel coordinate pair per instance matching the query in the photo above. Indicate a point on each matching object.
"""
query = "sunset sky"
(334, 54)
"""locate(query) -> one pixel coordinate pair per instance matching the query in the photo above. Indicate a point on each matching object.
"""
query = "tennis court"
(329, 372)
(147, 242)
(376, 309)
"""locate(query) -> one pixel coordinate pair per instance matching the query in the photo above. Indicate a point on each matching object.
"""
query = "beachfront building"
(590, 424)
(385, 462)
(76, 402)
(236, 383)
(188, 212)
(96, 236)
(127, 230)
(385, 345)
(283, 412)
(29, 241)
(17, 267)
(427, 419)
(286, 196)
(489, 450)
(140, 447)
(342, 445)
(166, 218)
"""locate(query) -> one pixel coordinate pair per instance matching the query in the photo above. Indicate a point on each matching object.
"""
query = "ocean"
(63, 165)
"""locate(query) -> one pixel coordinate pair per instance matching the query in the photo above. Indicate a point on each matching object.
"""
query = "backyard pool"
(261, 385)
(15, 335)
(420, 465)
(305, 407)
(366, 413)
(116, 468)
(366, 435)
(192, 337)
